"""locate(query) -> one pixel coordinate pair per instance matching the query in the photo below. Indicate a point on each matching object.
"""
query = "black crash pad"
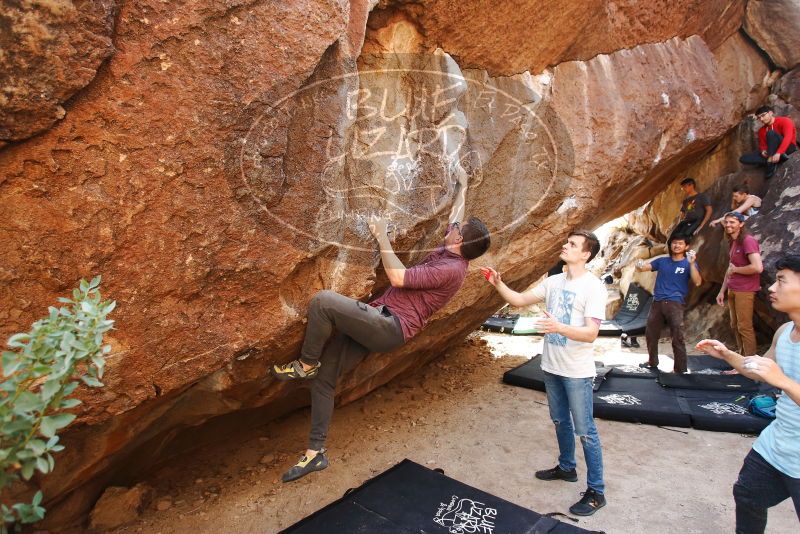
(708, 382)
(632, 371)
(624, 393)
(705, 364)
(500, 322)
(409, 498)
(639, 401)
(530, 375)
(632, 316)
(702, 364)
(721, 412)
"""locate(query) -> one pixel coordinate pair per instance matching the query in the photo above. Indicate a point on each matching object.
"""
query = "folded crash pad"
(500, 322)
(632, 316)
(530, 375)
(721, 411)
(409, 498)
(639, 401)
(708, 382)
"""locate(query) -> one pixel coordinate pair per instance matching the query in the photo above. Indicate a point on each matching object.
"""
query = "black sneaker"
(646, 365)
(306, 466)
(589, 503)
(557, 473)
(629, 341)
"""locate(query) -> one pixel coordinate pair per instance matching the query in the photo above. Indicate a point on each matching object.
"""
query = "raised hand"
(492, 276)
(378, 226)
(712, 347)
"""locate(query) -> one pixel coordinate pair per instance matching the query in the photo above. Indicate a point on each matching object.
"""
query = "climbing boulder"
(777, 226)
(773, 25)
(49, 53)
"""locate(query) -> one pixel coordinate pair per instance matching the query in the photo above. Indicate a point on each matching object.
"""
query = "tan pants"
(740, 304)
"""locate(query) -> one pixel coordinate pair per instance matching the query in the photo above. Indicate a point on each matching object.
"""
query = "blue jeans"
(571, 409)
(759, 487)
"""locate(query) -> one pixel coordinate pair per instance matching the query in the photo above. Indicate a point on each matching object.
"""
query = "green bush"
(40, 372)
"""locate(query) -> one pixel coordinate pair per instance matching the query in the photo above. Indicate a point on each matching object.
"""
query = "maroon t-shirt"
(738, 254)
(427, 287)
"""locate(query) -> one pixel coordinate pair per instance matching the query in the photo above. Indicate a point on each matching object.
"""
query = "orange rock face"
(49, 52)
(773, 26)
(222, 168)
(747, 74)
(511, 37)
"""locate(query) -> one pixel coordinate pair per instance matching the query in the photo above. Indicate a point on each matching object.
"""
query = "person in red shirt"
(777, 139)
(341, 331)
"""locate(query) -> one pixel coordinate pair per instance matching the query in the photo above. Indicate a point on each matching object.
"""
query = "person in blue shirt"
(669, 298)
(771, 470)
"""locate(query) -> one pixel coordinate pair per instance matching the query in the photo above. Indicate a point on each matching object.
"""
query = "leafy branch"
(39, 373)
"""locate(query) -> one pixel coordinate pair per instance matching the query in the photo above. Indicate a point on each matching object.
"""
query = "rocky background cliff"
(216, 163)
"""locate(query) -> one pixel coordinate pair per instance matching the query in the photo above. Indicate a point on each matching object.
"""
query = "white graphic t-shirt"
(571, 302)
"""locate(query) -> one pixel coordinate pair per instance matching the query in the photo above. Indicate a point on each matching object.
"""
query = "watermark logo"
(707, 371)
(632, 302)
(466, 516)
(725, 408)
(632, 369)
(621, 399)
(408, 138)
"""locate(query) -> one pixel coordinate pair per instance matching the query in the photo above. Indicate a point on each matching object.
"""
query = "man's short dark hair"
(764, 109)
(679, 237)
(687, 181)
(790, 262)
(476, 239)
(590, 242)
(741, 189)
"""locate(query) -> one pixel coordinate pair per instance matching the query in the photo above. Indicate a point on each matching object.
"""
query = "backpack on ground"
(762, 406)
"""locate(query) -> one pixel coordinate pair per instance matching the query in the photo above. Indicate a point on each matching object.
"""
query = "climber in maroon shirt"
(776, 140)
(341, 331)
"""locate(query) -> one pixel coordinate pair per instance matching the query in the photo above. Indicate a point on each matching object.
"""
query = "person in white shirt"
(576, 304)
(743, 202)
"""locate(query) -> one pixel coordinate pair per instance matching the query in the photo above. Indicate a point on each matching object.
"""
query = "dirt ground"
(457, 415)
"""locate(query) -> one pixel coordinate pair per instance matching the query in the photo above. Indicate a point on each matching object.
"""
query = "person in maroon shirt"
(742, 281)
(777, 139)
(381, 325)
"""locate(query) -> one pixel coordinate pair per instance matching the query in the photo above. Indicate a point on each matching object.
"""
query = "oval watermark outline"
(358, 74)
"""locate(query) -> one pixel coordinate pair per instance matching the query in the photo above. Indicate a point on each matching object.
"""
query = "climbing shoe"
(589, 503)
(305, 466)
(557, 473)
(293, 370)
